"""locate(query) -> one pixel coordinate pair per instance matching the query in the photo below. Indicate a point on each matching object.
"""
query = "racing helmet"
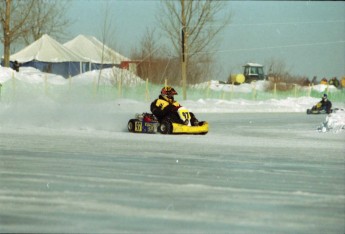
(168, 91)
(324, 96)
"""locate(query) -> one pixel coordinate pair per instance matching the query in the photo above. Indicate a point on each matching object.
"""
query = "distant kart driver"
(324, 104)
(166, 107)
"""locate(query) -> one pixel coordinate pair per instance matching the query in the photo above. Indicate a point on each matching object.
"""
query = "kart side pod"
(143, 123)
(168, 127)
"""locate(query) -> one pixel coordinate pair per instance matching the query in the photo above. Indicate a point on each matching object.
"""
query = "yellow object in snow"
(238, 78)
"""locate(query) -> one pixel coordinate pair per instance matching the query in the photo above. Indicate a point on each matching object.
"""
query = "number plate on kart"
(145, 127)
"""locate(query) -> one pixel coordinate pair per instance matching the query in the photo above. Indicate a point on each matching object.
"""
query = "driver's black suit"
(164, 107)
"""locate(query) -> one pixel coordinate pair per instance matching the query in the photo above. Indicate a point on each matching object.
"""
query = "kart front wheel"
(165, 127)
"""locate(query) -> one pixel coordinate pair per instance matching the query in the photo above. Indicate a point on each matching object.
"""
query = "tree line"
(23, 22)
(190, 29)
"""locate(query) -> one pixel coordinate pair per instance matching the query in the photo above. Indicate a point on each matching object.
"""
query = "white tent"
(46, 49)
(94, 51)
(48, 55)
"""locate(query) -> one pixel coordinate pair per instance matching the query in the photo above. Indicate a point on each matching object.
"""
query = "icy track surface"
(252, 173)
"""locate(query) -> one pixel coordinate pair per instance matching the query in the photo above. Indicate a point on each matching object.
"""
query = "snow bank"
(108, 76)
(320, 88)
(243, 88)
(112, 76)
(5, 74)
(334, 122)
(30, 75)
(249, 106)
(258, 86)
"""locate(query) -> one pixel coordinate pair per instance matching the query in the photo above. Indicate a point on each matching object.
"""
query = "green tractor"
(251, 72)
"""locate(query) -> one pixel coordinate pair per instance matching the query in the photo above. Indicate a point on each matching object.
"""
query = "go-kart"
(317, 109)
(148, 123)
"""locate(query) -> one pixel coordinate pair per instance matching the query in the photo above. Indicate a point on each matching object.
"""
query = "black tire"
(165, 127)
(308, 111)
(131, 125)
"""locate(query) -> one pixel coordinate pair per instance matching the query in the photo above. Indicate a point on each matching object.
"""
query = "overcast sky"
(307, 36)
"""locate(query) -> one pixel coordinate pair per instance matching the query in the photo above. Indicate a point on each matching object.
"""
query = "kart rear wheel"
(131, 125)
(165, 127)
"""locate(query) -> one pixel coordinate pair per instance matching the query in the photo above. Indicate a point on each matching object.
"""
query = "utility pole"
(6, 28)
(184, 38)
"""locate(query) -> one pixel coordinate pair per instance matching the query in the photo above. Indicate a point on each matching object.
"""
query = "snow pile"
(30, 75)
(299, 104)
(108, 76)
(320, 88)
(5, 74)
(33, 75)
(113, 76)
(260, 85)
(243, 88)
(334, 122)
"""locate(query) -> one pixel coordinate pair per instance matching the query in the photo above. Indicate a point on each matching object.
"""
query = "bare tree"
(154, 62)
(150, 56)
(25, 21)
(201, 23)
(276, 69)
(46, 17)
(192, 27)
(280, 78)
(12, 22)
(108, 35)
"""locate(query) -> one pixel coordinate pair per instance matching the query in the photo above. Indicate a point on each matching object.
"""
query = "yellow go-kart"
(317, 109)
(148, 123)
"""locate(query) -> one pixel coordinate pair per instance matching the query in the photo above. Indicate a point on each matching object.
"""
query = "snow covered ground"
(72, 167)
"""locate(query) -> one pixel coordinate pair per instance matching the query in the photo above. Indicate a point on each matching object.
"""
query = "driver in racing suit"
(165, 106)
(324, 104)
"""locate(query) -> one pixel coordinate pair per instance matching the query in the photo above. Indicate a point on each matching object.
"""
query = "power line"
(277, 47)
(288, 23)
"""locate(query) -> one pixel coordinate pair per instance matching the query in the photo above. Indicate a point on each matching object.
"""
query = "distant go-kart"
(148, 123)
(317, 109)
